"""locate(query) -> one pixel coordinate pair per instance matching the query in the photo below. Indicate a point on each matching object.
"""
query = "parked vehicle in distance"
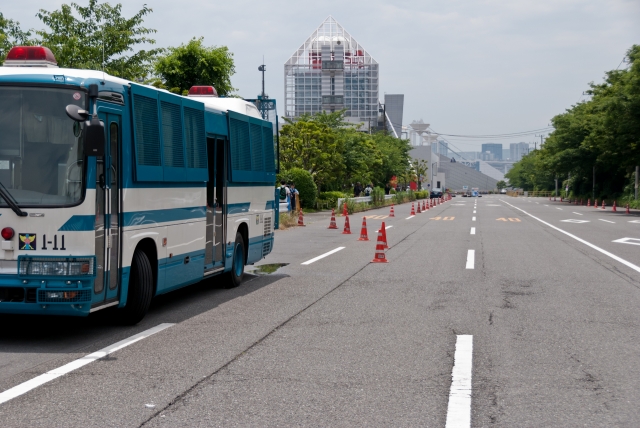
(435, 193)
(503, 191)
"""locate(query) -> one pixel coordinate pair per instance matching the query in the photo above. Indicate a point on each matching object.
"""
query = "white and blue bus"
(113, 192)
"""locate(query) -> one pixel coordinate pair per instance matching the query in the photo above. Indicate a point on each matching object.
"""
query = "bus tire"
(234, 278)
(140, 290)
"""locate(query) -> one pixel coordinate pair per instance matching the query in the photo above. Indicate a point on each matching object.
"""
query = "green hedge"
(304, 183)
(332, 197)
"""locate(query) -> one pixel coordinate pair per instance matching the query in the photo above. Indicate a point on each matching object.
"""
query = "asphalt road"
(550, 307)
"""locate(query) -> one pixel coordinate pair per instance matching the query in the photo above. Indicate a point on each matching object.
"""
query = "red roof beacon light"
(7, 233)
(30, 56)
(202, 91)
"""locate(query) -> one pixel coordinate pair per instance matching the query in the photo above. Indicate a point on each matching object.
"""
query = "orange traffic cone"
(413, 209)
(392, 213)
(379, 257)
(595, 204)
(333, 224)
(424, 205)
(419, 210)
(344, 210)
(614, 207)
(363, 231)
(300, 219)
(383, 229)
(603, 204)
(589, 202)
(347, 228)
(628, 212)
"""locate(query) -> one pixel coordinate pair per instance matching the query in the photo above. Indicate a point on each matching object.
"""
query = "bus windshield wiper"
(4, 193)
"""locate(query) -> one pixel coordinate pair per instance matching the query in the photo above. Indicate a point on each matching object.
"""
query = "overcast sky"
(465, 66)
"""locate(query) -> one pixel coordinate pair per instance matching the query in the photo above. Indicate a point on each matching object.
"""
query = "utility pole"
(636, 195)
(594, 183)
(536, 144)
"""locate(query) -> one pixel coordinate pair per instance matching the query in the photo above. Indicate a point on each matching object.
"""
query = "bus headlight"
(56, 266)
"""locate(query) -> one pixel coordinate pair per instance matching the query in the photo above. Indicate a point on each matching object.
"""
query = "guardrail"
(531, 193)
(360, 199)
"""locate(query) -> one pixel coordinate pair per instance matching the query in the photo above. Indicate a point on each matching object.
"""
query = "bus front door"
(107, 213)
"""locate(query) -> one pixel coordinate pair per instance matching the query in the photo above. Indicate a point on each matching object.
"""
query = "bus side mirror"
(94, 137)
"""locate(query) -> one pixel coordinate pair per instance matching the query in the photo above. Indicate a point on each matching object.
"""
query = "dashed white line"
(388, 227)
(473, 219)
(322, 256)
(37, 381)
(576, 213)
(607, 221)
(473, 230)
(410, 217)
(559, 209)
(471, 258)
(589, 244)
(474, 211)
(459, 408)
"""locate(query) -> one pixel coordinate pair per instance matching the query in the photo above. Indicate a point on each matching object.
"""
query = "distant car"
(435, 194)
(503, 191)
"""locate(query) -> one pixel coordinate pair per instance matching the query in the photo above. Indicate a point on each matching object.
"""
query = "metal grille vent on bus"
(80, 296)
(266, 248)
(267, 226)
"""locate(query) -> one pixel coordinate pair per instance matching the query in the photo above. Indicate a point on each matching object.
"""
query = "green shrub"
(411, 195)
(332, 197)
(377, 197)
(422, 194)
(304, 183)
(392, 191)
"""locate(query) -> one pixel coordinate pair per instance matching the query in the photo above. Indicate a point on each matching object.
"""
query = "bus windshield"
(40, 146)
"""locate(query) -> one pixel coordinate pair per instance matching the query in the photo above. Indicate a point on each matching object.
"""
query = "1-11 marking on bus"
(54, 242)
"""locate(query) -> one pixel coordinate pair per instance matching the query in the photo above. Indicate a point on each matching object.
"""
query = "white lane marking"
(388, 227)
(471, 258)
(37, 381)
(410, 217)
(473, 230)
(559, 209)
(473, 219)
(474, 211)
(589, 244)
(546, 205)
(538, 203)
(634, 221)
(322, 256)
(632, 241)
(573, 220)
(459, 409)
(607, 221)
(576, 213)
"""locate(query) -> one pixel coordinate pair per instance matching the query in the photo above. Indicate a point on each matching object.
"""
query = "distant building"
(394, 106)
(441, 147)
(470, 156)
(331, 71)
(517, 150)
(506, 154)
(492, 151)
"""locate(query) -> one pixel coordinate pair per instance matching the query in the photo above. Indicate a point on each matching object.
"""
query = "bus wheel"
(140, 290)
(237, 267)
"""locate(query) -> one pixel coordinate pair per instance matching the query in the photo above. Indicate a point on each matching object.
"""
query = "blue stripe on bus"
(270, 205)
(79, 223)
(137, 218)
(238, 208)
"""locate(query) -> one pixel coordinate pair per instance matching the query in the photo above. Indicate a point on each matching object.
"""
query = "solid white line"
(27, 386)
(577, 213)
(322, 256)
(410, 217)
(471, 256)
(473, 230)
(459, 409)
(607, 221)
(387, 227)
(473, 219)
(589, 244)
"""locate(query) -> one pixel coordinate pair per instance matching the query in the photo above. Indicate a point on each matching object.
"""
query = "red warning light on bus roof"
(31, 56)
(202, 91)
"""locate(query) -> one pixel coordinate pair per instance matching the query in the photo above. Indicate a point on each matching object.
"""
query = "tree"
(313, 147)
(195, 64)
(98, 35)
(11, 35)
(501, 184)
(420, 166)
